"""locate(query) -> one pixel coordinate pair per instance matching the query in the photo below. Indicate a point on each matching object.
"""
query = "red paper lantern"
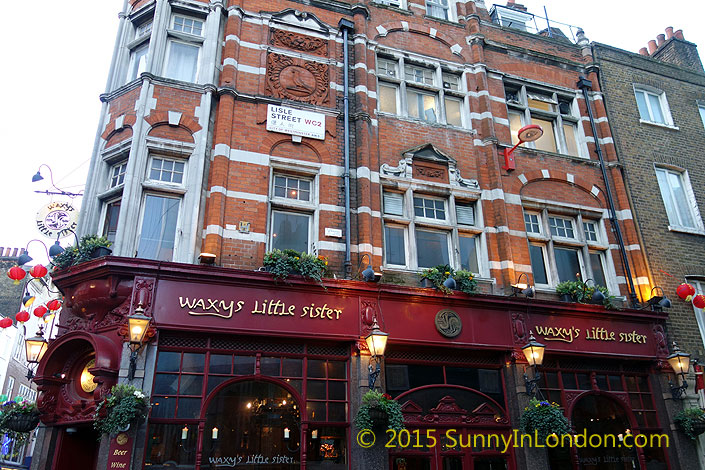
(5, 322)
(54, 305)
(22, 316)
(16, 274)
(699, 301)
(685, 290)
(38, 271)
(40, 311)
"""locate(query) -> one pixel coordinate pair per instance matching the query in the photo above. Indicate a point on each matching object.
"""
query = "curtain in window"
(158, 228)
(183, 59)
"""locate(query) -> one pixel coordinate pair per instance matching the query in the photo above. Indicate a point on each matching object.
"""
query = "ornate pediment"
(301, 19)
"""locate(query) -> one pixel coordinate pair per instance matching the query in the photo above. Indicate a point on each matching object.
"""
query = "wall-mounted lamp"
(376, 343)
(35, 348)
(38, 177)
(680, 363)
(533, 351)
(137, 329)
(206, 258)
(528, 133)
(25, 258)
(523, 287)
(369, 274)
(658, 302)
(597, 296)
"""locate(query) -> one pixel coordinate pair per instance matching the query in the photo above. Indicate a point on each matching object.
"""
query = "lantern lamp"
(40, 311)
(680, 363)
(54, 305)
(376, 342)
(685, 291)
(137, 327)
(35, 348)
(38, 271)
(6, 322)
(55, 249)
(528, 133)
(16, 274)
(699, 301)
(22, 316)
(533, 351)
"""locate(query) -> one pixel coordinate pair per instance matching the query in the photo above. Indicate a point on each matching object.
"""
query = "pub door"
(443, 457)
(77, 448)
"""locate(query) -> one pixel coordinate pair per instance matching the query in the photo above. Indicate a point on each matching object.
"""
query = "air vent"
(465, 214)
(393, 204)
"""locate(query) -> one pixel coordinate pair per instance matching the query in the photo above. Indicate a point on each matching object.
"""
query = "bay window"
(555, 112)
(139, 47)
(425, 92)
(185, 38)
(567, 248)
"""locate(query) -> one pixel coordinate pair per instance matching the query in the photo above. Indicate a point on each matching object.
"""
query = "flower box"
(24, 422)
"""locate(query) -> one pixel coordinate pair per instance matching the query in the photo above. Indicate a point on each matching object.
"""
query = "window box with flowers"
(543, 419)
(124, 406)
(282, 263)
(17, 419)
(379, 410)
(436, 276)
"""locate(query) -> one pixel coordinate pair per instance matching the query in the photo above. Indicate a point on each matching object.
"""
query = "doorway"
(78, 448)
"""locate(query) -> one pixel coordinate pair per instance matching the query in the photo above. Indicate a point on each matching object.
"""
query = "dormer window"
(510, 17)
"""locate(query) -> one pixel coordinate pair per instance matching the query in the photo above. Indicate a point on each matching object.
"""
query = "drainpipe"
(346, 25)
(585, 85)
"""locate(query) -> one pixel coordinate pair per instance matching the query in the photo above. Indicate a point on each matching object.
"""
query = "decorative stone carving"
(297, 79)
(403, 169)
(448, 412)
(660, 341)
(448, 323)
(142, 295)
(457, 180)
(300, 42)
(368, 312)
(519, 328)
(428, 172)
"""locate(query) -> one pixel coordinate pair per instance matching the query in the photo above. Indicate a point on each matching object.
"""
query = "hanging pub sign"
(57, 220)
(296, 122)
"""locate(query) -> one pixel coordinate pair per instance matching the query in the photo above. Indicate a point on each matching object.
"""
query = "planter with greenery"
(124, 406)
(691, 421)
(544, 418)
(464, 280)
(90, 247)
(17, 419)
(577, 291)
(282, 263)
(379, 410)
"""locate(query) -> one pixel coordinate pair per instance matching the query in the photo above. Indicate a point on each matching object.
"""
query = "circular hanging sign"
(448, 323)
(57, 220)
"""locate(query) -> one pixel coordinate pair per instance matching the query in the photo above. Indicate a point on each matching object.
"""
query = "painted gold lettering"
(255, 310)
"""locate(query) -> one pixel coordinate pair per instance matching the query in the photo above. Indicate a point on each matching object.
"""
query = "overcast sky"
(56, 57)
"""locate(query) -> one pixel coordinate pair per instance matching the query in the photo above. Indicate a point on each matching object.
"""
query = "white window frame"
(435, 88)
(285, 199)
(122, 165)
(177, 231)
(10, 386)
(549, 243)
(521, 107)
(407, 254)
(701, 110)
(19, 348)
(698, 227)
(699, 284)
(308, 208)
(137, 52)
(279, 210)
(449, 8)
(163, 158)
(104, 215)
(423, 218)
(174, 36)
(663, 103)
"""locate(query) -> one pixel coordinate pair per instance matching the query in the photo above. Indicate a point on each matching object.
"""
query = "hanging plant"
(379, 410)
(544, 418)
(123, 406)
(691, 421)
(282, 263)
(18, 418)
(90, 247)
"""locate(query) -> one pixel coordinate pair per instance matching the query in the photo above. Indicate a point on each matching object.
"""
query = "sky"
(56, 60)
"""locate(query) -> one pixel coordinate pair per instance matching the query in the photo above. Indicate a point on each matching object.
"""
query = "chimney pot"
(661, 38)
(669, 32)
(679, 34)
(652, 47)
(643, 51)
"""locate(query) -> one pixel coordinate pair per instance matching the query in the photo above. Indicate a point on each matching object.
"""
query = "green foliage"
(373, 400)
(582, 293)
(545, 418)
(690, 418)
(11, 410)
(78, 254)
(125, 405)
(281, 263)
(464, 280)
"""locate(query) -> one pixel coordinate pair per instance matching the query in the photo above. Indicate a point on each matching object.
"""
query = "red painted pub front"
(244, 372)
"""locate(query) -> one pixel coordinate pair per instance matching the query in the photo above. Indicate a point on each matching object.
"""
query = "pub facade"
(396, 135)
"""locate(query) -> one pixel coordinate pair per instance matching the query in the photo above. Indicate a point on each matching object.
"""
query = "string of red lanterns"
(687, 292)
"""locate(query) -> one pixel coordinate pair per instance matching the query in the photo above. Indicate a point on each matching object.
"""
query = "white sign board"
(57, 220)
(296, 122)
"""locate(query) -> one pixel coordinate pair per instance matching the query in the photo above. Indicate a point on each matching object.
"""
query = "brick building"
(376, 133)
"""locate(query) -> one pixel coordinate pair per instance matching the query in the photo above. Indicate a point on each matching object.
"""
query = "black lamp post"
(534, 356)
(137, 326)
(680, 363)
(376, 342)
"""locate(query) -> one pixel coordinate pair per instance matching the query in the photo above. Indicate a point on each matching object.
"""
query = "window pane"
(453, 112)
(598, 272)
(244, 365)
(421, 105)
(538, 267)
(168, 361)
(138, 62)
(394, 245)
(193, 362)
(540, 104)
(514, 126)
(158, 228)
(183, 59)
(656, 108)
(429, 108)
(220, 364)
(388, 99)
(570, 143)
(112, 213)
(702, 113)
(641, 104)
(468, 254)
(547, 142)
(567, 264)
(191, 385)
(531, 222)
(681, 201)
(290, 231)
(666, 196)
(432, 248)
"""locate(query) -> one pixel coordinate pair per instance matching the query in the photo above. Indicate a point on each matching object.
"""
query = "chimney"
(661, 38)
(669, 32)
(679, 34)
(652, 47)
(681, 53)
(643, 51)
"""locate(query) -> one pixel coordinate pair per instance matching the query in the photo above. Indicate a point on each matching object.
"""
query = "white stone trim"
(523, 179)
(595, 191)
(545, 173)
(570, 178)
(625, 214)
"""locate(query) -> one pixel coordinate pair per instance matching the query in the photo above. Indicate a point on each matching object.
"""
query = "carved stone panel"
(297, 79)
(299, 42)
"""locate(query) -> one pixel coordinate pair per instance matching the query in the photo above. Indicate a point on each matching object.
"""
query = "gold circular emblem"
(121, 439)
(448, 323)
(87, 383)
